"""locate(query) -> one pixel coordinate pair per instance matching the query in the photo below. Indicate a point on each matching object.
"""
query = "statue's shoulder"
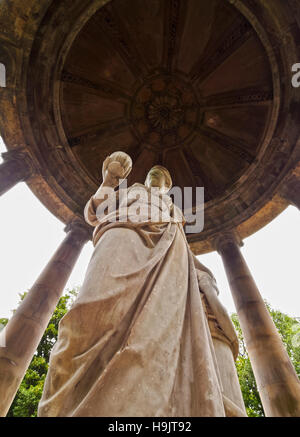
(124, 188)
(137, 187)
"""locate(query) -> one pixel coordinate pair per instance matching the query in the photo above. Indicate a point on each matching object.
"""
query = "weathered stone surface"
(17, 167)
(136, 341)
(203, 87)
(85, 79)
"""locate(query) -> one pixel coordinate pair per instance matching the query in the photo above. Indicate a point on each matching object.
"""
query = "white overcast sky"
(29, 234)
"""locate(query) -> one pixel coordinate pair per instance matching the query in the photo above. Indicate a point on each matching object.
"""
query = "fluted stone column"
(15, 168)
(26, 328)
(277, 381)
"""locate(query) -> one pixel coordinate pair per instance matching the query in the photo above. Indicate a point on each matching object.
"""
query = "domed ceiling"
(185, 84)
(202, 87)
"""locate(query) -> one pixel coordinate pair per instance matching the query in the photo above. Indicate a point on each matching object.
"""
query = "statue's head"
(159, 177)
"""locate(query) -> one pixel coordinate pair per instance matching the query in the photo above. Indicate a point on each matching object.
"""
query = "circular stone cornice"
(31, 117)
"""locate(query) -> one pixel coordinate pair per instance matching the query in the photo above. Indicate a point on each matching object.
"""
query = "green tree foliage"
(289, 330)
(30, 391)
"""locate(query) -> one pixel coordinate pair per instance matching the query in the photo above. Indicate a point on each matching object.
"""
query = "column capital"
(23, 159)
(290, 188)
(222, 239)
(79, 230)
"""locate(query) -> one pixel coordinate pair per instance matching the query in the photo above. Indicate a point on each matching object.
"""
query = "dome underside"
(201, 87)
(183, 84)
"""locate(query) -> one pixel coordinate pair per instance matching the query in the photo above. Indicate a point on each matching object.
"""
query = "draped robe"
(136, 340)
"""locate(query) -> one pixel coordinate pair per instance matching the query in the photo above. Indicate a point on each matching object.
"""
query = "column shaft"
(26, 328)
(277, 381)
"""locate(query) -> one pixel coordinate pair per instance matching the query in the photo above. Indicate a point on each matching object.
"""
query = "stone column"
(277, 381)
(15, 168)
(26, 328)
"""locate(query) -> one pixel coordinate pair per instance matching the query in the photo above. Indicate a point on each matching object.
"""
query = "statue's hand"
(112, 174)
(115, 167)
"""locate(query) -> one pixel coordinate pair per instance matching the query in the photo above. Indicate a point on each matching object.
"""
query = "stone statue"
(147, 335)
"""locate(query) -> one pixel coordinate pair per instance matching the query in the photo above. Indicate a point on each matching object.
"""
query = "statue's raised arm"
(115, 168)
